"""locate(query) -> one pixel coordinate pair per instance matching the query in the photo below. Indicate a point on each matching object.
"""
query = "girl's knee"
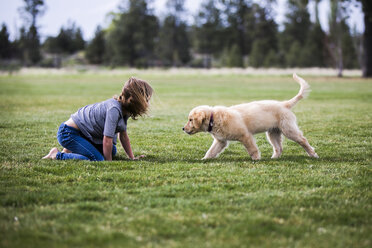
(114, 150)
(96, 157)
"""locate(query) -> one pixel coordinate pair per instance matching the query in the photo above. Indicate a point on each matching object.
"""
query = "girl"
(90, 133)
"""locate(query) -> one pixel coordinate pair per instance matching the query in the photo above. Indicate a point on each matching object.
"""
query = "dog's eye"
(190, 120)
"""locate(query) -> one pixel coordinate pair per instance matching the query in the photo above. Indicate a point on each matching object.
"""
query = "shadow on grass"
(290, 158)
(223, 159)
(244, 159)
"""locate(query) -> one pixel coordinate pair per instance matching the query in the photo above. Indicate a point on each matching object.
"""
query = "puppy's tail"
(303, 93)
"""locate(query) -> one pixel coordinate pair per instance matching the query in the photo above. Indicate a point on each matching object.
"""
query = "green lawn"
(171, 198)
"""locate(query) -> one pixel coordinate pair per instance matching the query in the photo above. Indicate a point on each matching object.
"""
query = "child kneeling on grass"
(90, 133)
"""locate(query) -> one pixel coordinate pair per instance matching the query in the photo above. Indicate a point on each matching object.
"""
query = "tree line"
(225, 33)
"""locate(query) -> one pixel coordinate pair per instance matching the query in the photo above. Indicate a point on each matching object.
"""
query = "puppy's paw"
(256, 156)
(315, 155)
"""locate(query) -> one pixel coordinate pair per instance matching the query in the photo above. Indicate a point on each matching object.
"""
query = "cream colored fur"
(241, 122)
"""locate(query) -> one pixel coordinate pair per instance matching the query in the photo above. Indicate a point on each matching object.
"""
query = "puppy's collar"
(210, 125)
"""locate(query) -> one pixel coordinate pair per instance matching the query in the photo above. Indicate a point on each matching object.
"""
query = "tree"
(265, 38)
(31, 44)
(271, 59)
(32, 52)
(314, 53)
(296, 29)
(349, 53)
(208, 31)
(340, 41)
(68, 41)
(234, 58)
(250, 27)
(367, 37)
(240, 21)
(5, 44)
(96, 48)
(257, 57)
(173, 45)
(358, 46)
(78, 40)
(292, 56)
(28, 46)
(31, 11)
(335, 38)
(131, 38)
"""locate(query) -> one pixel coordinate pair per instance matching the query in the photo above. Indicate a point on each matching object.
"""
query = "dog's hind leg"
(292, 132)
(274, 136)
(250, 144)
(216, 148)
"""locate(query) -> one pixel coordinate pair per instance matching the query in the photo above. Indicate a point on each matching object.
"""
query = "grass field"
(171, 198)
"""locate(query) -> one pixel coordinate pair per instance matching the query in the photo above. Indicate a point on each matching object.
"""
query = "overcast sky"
(87, 14)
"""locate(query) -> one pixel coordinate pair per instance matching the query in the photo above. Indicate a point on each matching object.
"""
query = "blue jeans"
(81, 148)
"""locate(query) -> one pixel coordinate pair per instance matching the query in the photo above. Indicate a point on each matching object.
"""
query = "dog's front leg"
(250, 144)
(216, 148)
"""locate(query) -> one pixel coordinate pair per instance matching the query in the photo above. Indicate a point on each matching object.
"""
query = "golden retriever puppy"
(241, 122)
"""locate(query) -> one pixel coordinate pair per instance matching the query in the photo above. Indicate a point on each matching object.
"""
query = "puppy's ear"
(199, 119)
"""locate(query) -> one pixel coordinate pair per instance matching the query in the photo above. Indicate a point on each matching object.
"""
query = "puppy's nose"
(183, 129)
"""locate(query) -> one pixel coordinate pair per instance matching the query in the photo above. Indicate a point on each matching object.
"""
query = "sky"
(87, 14)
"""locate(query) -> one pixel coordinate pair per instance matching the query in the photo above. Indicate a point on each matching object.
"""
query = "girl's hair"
(135, 97)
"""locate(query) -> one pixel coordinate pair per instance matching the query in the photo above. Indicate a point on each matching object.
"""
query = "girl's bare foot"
(65, 150)
(52, 154)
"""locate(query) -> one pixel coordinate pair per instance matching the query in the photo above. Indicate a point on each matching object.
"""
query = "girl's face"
(148, 98)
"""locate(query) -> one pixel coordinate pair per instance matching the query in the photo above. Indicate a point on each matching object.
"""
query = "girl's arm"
(124, 140)
(107, 148)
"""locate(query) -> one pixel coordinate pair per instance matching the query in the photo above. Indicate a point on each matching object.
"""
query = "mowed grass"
(171, 198)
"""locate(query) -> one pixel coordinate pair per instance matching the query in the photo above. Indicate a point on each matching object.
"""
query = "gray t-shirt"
(101, 119)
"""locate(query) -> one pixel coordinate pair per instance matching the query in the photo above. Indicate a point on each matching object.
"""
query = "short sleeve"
(122, 124)
(126, 121)
(111, 121)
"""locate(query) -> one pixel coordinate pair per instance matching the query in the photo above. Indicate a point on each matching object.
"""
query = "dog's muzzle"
(183, 129)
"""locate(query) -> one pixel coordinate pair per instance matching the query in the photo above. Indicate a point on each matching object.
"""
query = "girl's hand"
(138, 157)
